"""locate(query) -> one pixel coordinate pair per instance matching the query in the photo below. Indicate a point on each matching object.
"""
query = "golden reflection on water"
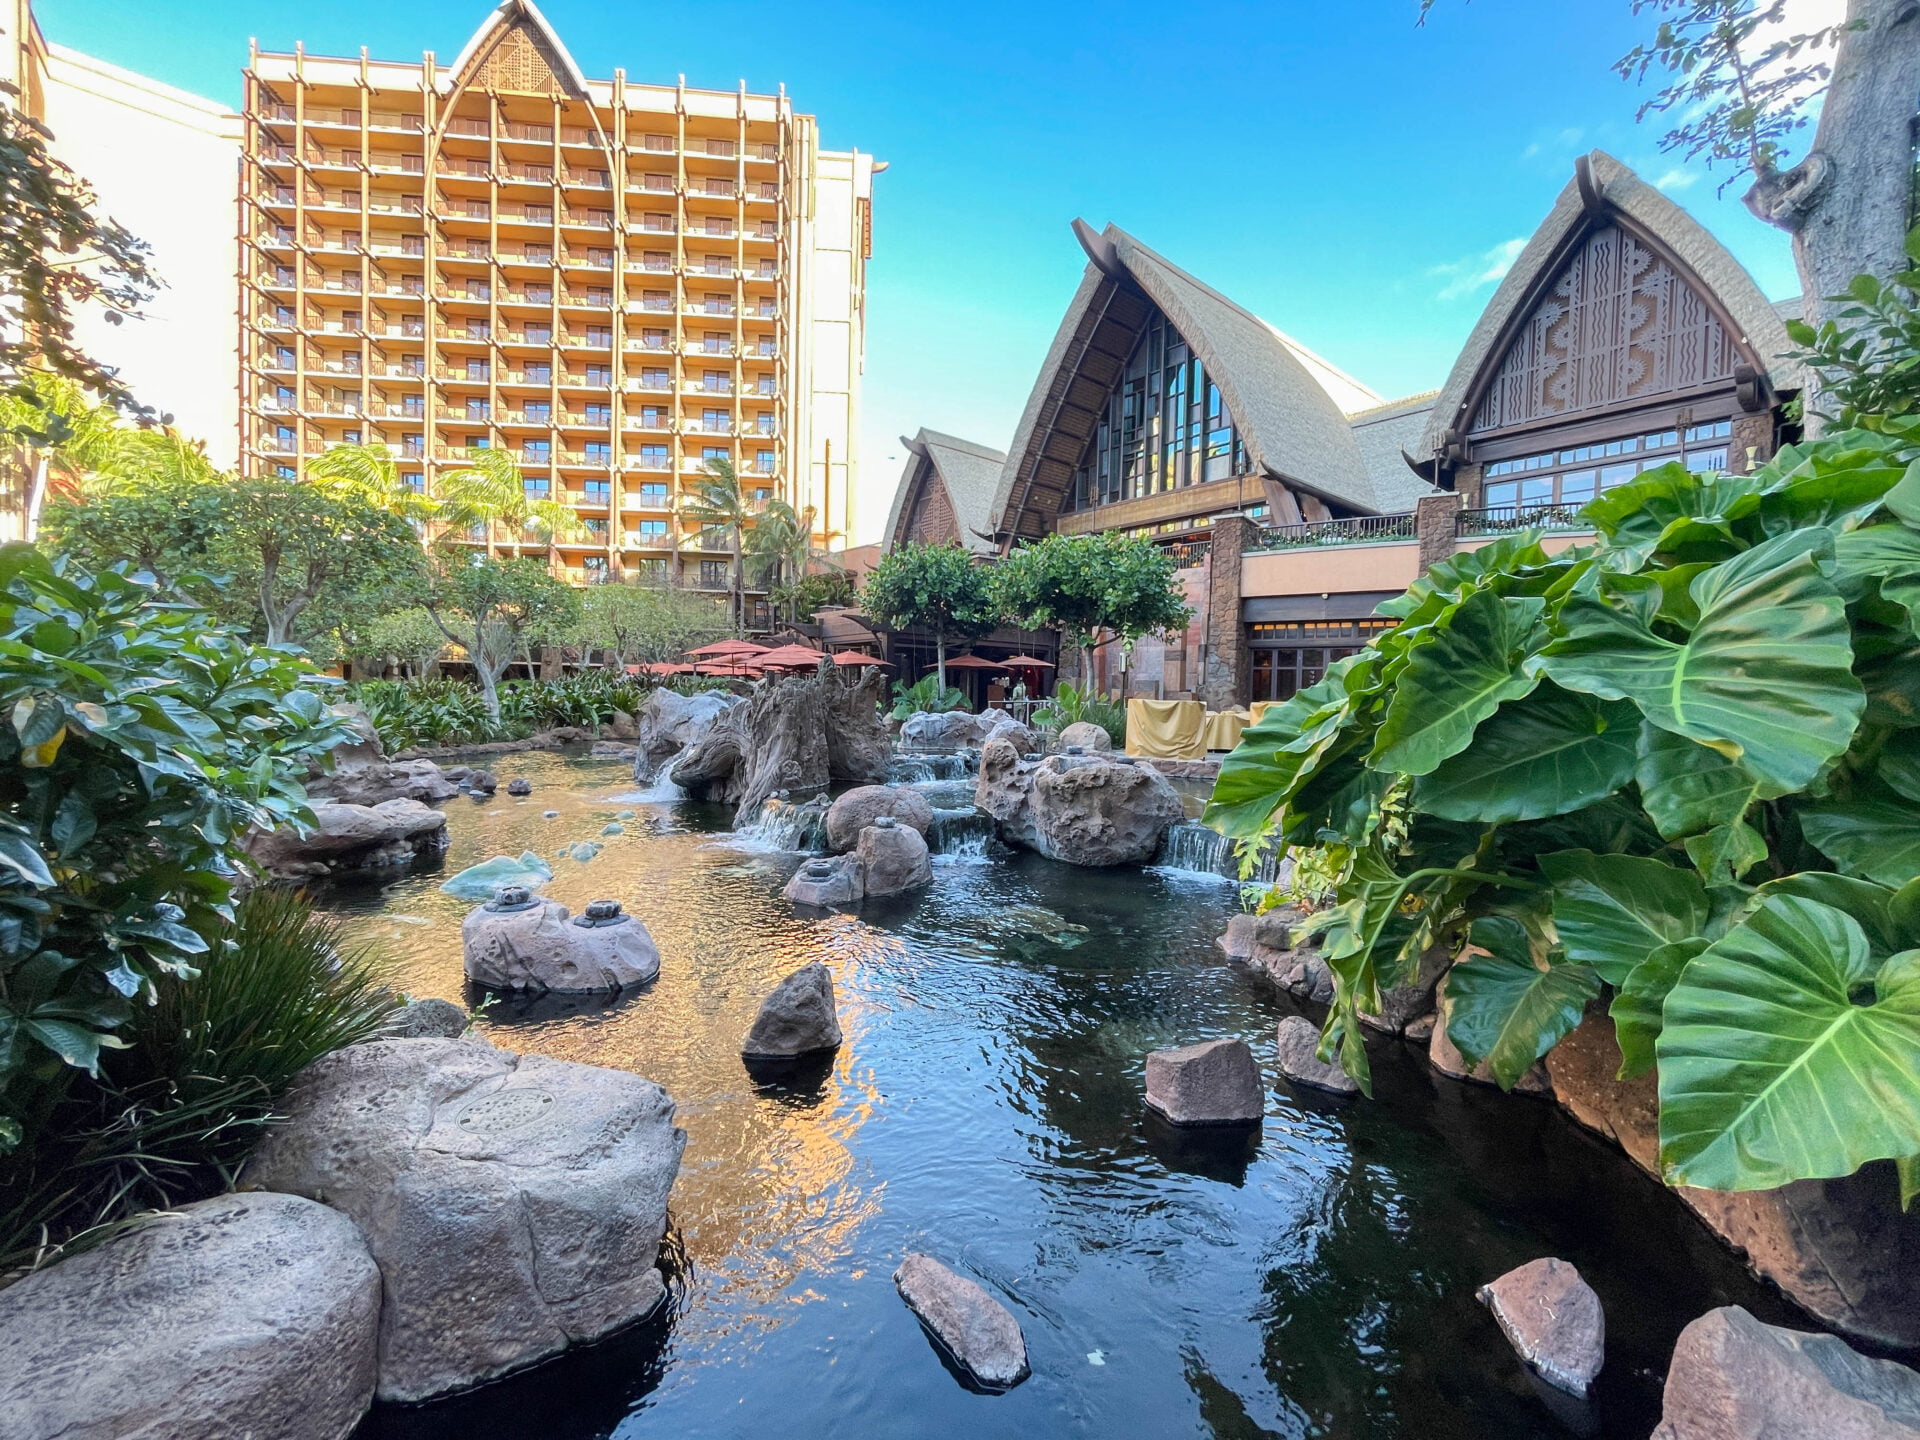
(764, 1162)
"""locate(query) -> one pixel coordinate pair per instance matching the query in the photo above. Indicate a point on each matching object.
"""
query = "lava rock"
(946, 730)
(351, 838)
(1216, 1082)
(482, 782)
(1004, 791)
(428, 1020)
(239, 1317)
(519, 785)
(1733, 1378)
(975, 1329)
(1403, 1004)
(1098, 812)
(669, 723)
(1247, 934)
(1553, 1320)
(514, 1204)
(893, 858)
(797, 1018)
(372, 782)
(823, 883)
(999, 724)
(859, 807)
(1088, 736)
(541, 948)
(1300, 1062)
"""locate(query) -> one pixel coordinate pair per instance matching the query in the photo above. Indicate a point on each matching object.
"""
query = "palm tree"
(60, 440)
(370, 472)
(491, 491)
(719, 502)
(780, 549)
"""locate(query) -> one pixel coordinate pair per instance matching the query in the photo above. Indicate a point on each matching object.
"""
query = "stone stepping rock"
(1554, 1321)
(1300, 1062)
(796, 1019)
(1216, 1082)
(976, 1330)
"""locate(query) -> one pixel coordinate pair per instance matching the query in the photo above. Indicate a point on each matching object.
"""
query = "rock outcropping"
(350, 839)
(1216, 1082)
(974, 1328)
(239, 1317)
(858, 808)
(544, 947)
(798, 734)
(1298, 1050)
(1081, 809)
(670, 723)
(514, 1204)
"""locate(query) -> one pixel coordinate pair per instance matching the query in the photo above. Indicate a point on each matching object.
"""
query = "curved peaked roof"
(1290, 405)
(971, 475)
(1602, 187)
(497, 26)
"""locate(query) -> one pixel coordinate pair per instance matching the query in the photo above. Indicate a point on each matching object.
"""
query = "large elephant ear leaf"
(1688, 788)
(1637, 1006)
(1873, 838)
(1766, 675)
(1669, 508)
(1876, 908)
(1613, 911)
(1787, 1053)
(1887, 553)
(1447, 579)
(1475, 662)
(1543, 754)
(1272, 757)
(1502, 1008)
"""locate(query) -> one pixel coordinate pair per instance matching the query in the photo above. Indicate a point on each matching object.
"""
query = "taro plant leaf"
(1888, 553)
(1474, 663)
(1904, 499)
(1907, 1167)
(1505, 1010)
(1271, 758)
(1543, 754)
(1687, 787)
(1874, 838)
(1613, 911)
(1787, 1053)
(1899, 768)
(1889, 927)
(1766, 676)
(1726, 852)
(1637, 1005)
(1670, 506)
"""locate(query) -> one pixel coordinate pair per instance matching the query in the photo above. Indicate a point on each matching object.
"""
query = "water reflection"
(1310, 1277)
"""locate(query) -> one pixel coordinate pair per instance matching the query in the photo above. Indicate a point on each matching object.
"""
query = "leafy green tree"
(166, 529)
(1680, 769)
(489, 607)
(408, 638)
(720, 502)
(1097, 588)
(937, 588)
(369, 472)
(641, 624)
(810, 594)
(491, 493)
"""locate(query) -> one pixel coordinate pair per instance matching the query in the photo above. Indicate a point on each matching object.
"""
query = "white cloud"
(1677, 179)
(1463, 277)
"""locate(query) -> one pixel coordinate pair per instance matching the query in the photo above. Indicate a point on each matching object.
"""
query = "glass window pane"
(1576, 486)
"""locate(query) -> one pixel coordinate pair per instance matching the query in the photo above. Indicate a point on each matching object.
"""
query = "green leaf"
(1265, 768)
(1765, 677)
(1688, 788)
(1907, 1167)
(1774, 1065)
(1878, 909)
(1504, 1009)
(1726, 852)
(73, 825)
(1637, 1006)
(1544, 754)
(1669, 507)
(1473, 664)
(1613, 911)
(1904, 499)
(1876, 839)
(1888, 553)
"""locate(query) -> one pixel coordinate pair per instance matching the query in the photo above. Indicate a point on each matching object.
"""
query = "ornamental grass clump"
(1677, 770)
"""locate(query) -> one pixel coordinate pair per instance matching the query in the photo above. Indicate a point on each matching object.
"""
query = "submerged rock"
(542, 947)
(975, 1329)
(893, 858)
(428, 1020)
(823, 883)
(1554, 1321)
(1733, 1378)
(244, 1316)
(798, 1018)
(519, 785)
(1300, 1062)
(859, 807)
(481, 782)
(514, 1204)
(349, 839)
(1216, 1082)
(483, 881)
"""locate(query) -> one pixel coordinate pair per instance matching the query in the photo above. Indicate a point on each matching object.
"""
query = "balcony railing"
(1505, 519)
(1189, 553)
(1359, 530)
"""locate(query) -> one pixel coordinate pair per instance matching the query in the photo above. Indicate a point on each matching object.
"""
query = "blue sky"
(1354, 179)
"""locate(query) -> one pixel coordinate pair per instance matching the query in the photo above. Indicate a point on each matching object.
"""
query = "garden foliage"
(1071, 704)
(1678, 768)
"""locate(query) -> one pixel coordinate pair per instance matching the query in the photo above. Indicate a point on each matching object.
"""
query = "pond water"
(1315, 1278)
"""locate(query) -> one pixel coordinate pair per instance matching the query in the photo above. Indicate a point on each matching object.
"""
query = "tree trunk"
(1847, 204)
(940, 658)
(739, 586)
(489, 692)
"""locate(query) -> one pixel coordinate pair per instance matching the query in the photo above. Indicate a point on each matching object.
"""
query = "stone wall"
(1222, 682)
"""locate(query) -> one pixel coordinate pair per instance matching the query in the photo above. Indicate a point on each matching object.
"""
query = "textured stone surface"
(1733, 1378)
(1403, 1004)
(1216, 1082)
(800, 734)
(1553, 1320)
(798, 1018)
(893, 859)
(951, 730)
(519, 785)
(1097, 812)
(429, 1020)
(238, 1318)
(515, 1204)
(351, 838)
(977, 1330)
(1004, 791)
(542, 949)
(1246, 934)
(481, 782)
(1089, 736)
(1299, 1044)
(859, 807)
(998, 723)
(669, 723)
(371, 782)
(839, 881)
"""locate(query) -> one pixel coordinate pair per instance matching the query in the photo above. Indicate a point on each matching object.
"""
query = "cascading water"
(1193, 848)
(923, 765)
(790, 825)
(961, 835)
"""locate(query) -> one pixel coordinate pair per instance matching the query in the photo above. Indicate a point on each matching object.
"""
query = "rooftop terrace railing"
(1505, 519)
(1357, 530)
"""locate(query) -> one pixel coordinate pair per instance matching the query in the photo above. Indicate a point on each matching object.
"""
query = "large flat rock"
(978, 1331)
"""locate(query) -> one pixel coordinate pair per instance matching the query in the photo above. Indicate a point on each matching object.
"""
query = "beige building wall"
(835, 241)
(165, 164)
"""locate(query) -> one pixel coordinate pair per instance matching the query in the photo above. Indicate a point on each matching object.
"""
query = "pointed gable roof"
(1603, 190)
(517, 41)
(969, 475)
(1289, 404)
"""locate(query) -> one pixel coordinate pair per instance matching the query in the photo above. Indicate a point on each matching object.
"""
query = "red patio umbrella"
(726, 667)
(729, 647)
(973, 662)
(789, 657)
(1026, 662)
(854, 657)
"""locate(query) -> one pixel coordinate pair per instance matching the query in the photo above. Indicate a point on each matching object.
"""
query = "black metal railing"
(1188, 553)
(1358, 530)
(1505, 519)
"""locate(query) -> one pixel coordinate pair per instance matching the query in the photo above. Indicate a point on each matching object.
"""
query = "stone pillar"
(1222, 683)
(1752, 443)
(1435, 522)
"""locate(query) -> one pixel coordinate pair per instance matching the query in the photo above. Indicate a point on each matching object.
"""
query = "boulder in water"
(801, 734)
(1005, 791)
(860, 807)
(1300, 1062)
(519, 785)
(1553, 1320)
(1216, 1082)
(245, 1315)
(349, 839)
(669, 723)
(1097, 812)
(483, 881)
(1088, 736)
(824, 883)
(514, 1204)
(481, 782)
(979, 1332)
(941, 730)
(538, 945)
(428, 1020)
(798, 1018)
(893, 857)
(999, 723)
(375, 781)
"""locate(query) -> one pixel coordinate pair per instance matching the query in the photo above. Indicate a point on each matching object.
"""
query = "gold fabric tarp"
(1221, 730)
(1166, 729)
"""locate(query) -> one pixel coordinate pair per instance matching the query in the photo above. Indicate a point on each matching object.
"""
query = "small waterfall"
(789, 825)
(920, 766)
(960, 835)
(1193, 848)
(947, 794)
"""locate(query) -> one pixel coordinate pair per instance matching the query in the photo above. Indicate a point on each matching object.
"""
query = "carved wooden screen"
(1618, 326)
(932, 522)
(520, 62)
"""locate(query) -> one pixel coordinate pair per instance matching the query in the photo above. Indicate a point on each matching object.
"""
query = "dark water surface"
(1313, 1279)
